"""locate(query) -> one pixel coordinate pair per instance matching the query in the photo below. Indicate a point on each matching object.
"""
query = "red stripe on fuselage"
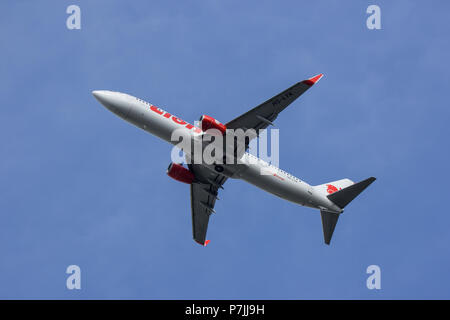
(174, 118)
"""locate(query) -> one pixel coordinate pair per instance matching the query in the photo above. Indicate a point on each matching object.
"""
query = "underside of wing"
(203, 198)
(263, 115)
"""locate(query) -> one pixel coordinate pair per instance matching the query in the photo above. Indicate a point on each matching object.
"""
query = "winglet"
(204, 243)
(313, 80)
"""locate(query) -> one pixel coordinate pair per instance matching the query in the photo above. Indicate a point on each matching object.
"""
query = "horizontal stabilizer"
(343, 197)
(329, 220)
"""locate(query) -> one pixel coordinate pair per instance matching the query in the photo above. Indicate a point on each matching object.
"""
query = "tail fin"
(330, 187)
(341, 198)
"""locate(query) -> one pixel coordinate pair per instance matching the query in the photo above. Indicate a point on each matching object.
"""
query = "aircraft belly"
(277, 185)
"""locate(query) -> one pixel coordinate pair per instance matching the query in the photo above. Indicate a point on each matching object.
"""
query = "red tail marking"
(331, 188)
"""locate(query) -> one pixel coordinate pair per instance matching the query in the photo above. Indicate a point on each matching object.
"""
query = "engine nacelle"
(178, 172)
(207, 122)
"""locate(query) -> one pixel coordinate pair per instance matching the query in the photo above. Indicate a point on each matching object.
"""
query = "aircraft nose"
(113, 101)
(102, 96)
(97, 94)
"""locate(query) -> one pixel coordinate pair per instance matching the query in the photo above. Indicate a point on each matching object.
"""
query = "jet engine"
(207, 122)
(178, 172)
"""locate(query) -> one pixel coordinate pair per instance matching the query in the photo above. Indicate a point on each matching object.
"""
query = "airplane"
(206, 179)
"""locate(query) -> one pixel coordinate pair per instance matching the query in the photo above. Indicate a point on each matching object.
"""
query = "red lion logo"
(331, 188)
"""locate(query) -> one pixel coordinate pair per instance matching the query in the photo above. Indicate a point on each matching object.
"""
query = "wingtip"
(313, 80)
(204, 243)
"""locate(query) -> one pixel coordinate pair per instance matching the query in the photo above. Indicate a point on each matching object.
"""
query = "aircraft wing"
(264, 114)
(203, 198)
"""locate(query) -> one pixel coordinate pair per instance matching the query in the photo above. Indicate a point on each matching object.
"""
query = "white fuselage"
(162, 124)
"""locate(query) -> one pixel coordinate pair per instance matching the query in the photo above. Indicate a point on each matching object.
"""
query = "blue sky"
(80, 186)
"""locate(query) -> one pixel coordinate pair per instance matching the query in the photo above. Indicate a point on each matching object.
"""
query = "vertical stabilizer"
(341, 198)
